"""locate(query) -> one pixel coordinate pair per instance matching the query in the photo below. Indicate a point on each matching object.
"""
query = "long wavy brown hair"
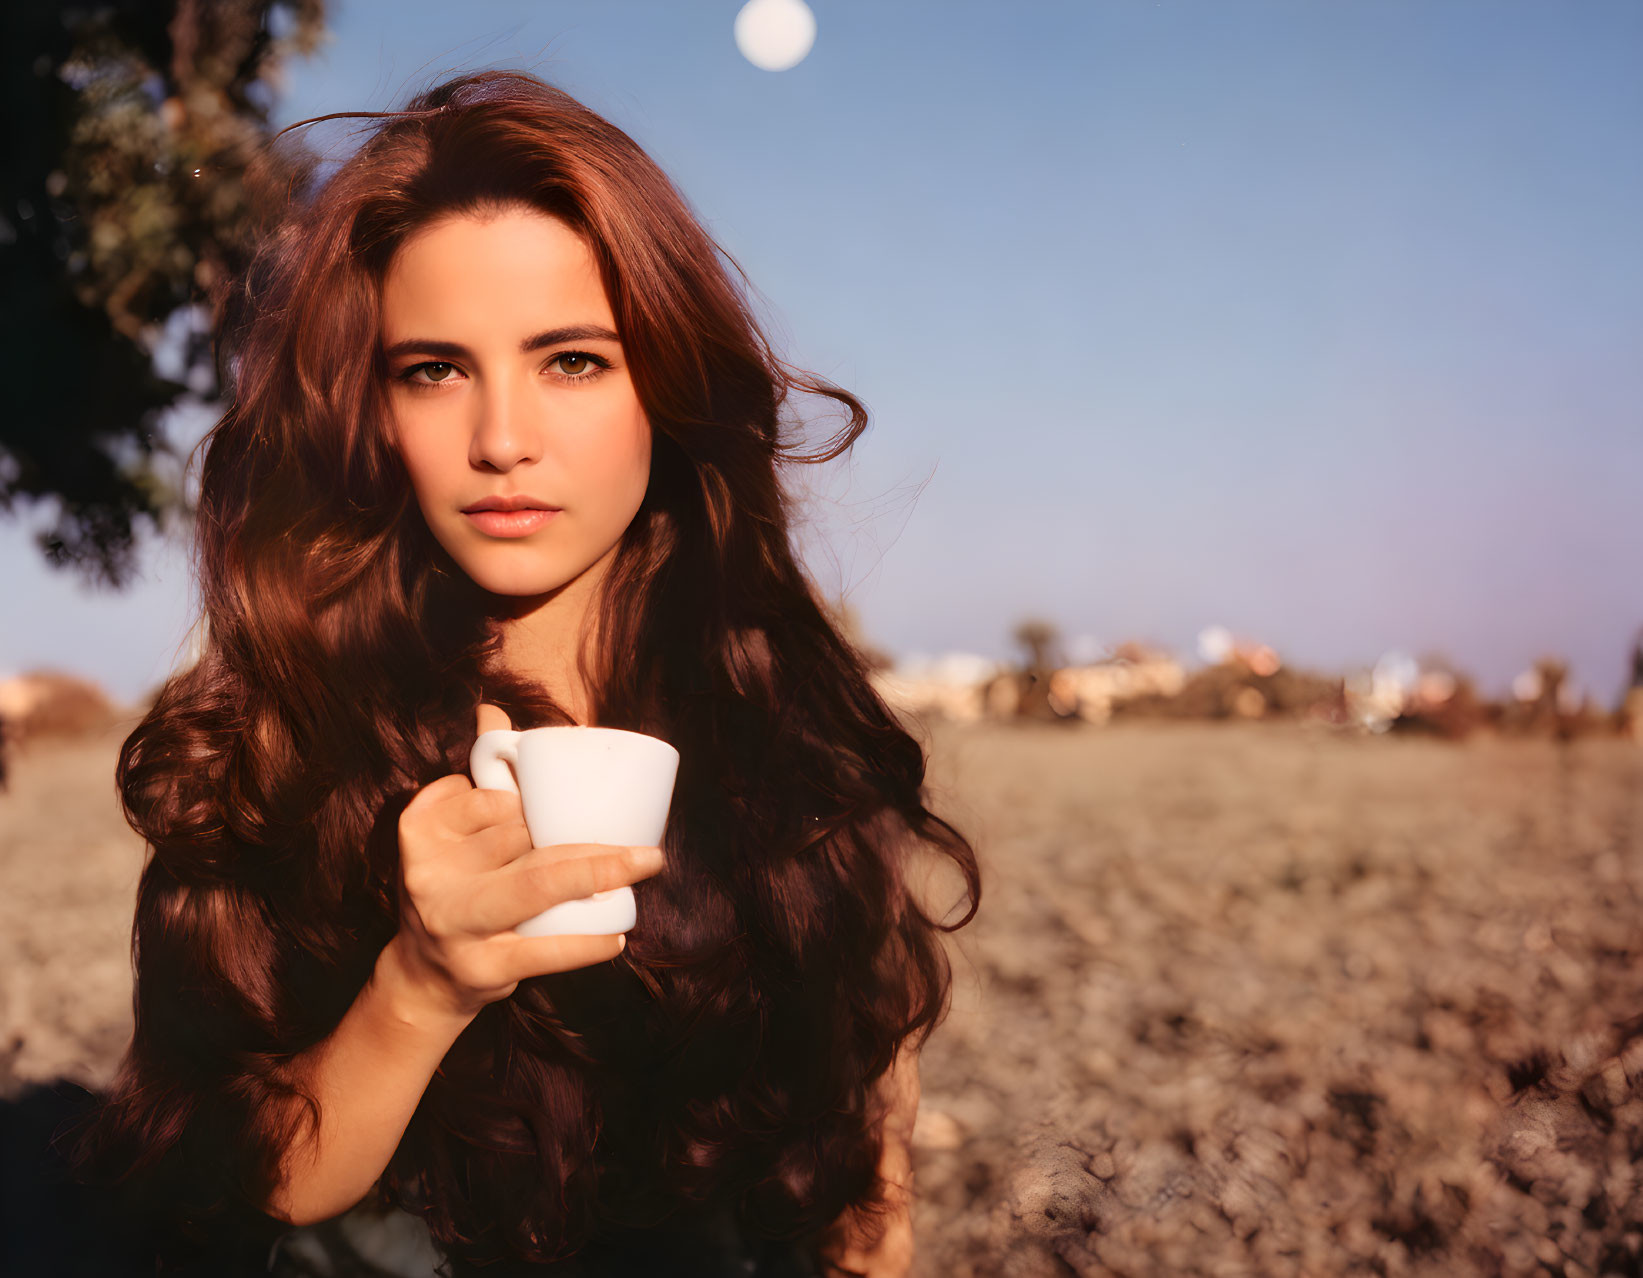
(782, 958)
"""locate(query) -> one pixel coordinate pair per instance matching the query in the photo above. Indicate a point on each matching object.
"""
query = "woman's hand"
(468, 875)
(850, 1251)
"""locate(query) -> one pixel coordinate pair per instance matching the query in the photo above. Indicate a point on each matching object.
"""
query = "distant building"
(951, 686)
(1091, 691)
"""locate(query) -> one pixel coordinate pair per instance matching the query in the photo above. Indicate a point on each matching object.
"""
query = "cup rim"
(590, 727)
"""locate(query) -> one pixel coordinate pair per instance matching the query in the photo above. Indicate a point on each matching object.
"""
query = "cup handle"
(493, 759)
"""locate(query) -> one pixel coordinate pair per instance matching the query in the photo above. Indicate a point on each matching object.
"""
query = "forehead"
(496, 269)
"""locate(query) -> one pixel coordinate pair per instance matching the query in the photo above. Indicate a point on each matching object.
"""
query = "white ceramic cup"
(582, 785)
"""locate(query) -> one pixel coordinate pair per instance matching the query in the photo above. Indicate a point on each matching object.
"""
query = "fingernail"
(621, 942)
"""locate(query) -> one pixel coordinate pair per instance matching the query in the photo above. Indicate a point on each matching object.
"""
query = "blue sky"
(1321, 321)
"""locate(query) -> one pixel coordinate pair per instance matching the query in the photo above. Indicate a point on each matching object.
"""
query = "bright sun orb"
(775, 34)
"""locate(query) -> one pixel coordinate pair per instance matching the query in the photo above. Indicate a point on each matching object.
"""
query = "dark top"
(710, 1246)
(52, 1225)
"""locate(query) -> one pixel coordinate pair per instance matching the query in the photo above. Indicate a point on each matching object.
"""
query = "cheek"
(416, 467)
(424, 457)
(641, 455)
(620, 455)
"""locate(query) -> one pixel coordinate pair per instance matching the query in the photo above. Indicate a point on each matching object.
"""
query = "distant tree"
(1042, 641)
(128, 127)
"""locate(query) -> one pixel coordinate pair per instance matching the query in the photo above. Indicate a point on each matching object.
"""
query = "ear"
(489, 718)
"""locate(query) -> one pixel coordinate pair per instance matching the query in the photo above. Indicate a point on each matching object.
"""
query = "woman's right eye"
(409, 375)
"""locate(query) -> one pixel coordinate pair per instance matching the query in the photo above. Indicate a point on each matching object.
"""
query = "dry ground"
(1241, 999)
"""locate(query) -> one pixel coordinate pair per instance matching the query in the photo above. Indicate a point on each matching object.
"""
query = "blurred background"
(1248, 523)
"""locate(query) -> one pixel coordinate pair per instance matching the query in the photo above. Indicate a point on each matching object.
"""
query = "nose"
(507, 432)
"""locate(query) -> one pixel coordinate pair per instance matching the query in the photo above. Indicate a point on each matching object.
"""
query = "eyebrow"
(535, 342)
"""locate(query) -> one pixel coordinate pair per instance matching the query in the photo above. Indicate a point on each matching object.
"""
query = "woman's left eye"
(578, 366)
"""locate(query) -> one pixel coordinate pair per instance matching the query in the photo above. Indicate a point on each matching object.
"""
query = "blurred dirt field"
(1242, 998)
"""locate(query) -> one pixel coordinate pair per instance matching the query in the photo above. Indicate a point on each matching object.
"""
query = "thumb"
(489, 718)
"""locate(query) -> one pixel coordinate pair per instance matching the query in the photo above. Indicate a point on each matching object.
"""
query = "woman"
(500, 300)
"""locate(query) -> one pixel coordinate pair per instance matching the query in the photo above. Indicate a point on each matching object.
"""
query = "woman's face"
(506, 380)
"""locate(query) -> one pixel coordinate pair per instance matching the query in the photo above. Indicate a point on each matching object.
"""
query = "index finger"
(440, 790)
(478, 809)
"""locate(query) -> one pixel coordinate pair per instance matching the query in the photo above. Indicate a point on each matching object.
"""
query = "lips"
(520, 502)
(510, 523)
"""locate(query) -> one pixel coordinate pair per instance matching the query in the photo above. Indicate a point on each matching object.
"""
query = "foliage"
(121, 203)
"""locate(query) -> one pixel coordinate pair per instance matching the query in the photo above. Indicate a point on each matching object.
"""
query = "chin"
(519, 584)
(515, 569)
